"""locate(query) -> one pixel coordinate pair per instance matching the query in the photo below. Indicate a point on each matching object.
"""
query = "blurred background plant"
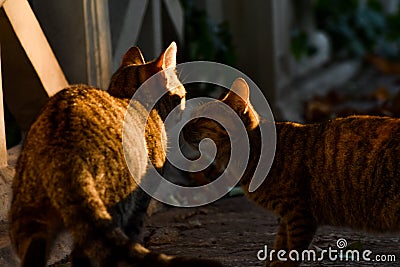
(206, 40)
(355, 28)
(300, 45)
(363, 30)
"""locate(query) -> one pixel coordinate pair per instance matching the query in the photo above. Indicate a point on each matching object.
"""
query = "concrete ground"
(233, 230)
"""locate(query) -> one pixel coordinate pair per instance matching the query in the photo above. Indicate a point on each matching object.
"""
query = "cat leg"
(35, 253)
(300, 229)
(280, 242)
(281, 236)
(33, 244)
(94, 230)
(133, 225)
(95, 239)
(79, 258)
(32, 233)
(84, 214)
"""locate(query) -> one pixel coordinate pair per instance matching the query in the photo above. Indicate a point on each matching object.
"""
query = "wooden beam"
(130, 29)
(98, 42)
(35, 45)
(3, 145)
(157, 26)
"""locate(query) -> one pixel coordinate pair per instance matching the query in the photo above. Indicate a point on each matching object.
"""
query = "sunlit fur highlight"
(344, 172)
(72, 175)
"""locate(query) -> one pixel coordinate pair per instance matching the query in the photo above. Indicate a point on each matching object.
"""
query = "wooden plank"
(22, 89)
(3, 146)
(130, 29)
(260, 29)
(157, 26)
(35, 45)
(98, 42)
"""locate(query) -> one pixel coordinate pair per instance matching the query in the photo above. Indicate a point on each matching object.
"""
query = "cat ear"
(133, 56)
(239, 95)
(168, 58)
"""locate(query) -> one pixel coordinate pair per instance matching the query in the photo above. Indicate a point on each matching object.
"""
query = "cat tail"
(134, 254)
(144, 257)
(95, 234)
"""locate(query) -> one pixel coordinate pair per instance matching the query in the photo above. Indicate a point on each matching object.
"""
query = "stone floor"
(233, 230)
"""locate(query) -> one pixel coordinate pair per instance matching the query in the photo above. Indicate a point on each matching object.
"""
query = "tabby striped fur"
(72, 175)
(344, 172)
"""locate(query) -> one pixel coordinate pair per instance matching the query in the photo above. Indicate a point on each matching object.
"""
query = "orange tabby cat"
(72, 174)
(344, 172)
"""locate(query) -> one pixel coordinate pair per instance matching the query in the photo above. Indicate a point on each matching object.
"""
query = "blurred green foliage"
(205, 39)
(300, 45)
(208, 41)
(356, 29)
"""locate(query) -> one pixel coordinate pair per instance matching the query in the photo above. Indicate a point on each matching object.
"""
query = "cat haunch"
(72, 174)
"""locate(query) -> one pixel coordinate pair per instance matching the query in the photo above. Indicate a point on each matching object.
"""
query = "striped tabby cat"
(344, 172)
(72, 175)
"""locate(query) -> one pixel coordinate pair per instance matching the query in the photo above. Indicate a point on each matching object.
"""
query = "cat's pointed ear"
(168, 58)
(133, 56)
(239, 95)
